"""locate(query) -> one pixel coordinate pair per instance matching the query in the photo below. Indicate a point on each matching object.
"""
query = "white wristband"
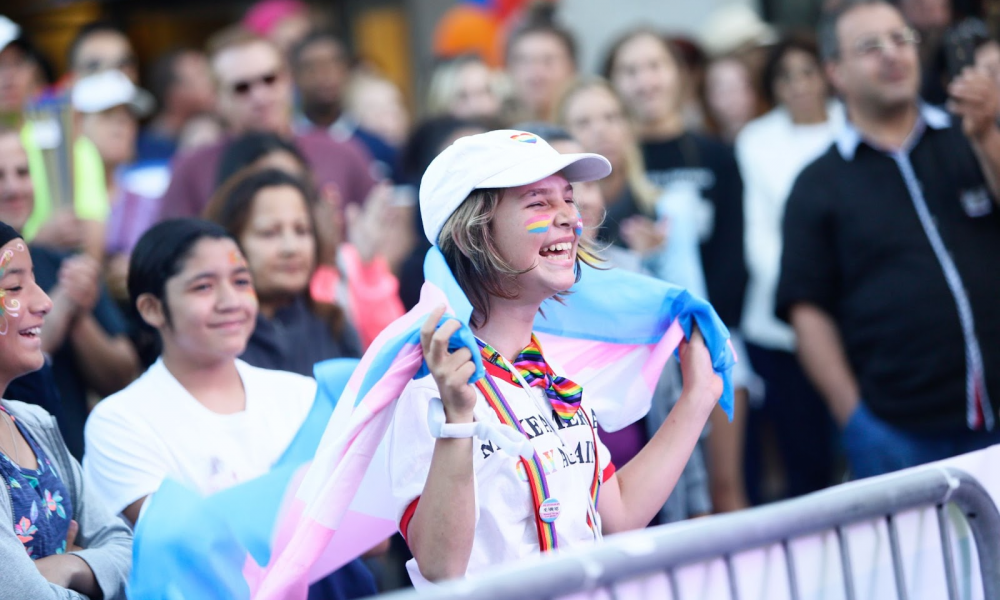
(513, 444)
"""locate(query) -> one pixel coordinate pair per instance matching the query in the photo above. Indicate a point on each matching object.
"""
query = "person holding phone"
(888, 270)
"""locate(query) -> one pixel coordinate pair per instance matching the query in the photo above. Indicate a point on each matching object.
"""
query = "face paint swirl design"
(578, 229)
(539, 224)
(8, 306)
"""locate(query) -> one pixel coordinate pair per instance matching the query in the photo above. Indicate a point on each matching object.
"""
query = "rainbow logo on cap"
(527, 138)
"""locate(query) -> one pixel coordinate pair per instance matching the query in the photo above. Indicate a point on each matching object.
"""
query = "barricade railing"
(662, 550)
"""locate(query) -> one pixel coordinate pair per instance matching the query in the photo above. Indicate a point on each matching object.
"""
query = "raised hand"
(79, 280)
(451, 370)
(700, 380)
(975, 98)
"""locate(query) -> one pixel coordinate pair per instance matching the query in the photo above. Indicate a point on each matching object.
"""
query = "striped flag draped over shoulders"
(328, 500)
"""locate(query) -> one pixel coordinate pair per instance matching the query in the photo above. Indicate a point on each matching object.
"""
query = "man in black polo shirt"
(892, 240)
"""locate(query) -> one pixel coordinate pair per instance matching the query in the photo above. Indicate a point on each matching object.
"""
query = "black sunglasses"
(242, 88)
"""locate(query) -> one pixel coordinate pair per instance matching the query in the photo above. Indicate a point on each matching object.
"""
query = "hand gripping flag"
(270, 537)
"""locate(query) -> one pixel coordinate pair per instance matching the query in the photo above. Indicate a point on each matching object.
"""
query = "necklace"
(13, 440)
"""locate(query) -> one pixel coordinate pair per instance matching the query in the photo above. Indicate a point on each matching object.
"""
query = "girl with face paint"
(60, 538)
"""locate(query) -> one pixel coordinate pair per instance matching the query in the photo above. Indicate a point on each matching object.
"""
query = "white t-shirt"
(505, 514)
(155, 429)
(771, 151)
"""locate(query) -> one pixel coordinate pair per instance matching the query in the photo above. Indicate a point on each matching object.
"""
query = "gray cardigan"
(107, 539)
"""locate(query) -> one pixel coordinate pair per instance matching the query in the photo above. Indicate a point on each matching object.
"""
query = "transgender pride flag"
(327, 500)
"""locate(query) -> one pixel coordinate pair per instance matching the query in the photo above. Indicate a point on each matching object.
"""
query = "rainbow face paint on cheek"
(539, 224)
(579, 224)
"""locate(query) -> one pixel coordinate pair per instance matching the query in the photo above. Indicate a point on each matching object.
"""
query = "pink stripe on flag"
(662, 352)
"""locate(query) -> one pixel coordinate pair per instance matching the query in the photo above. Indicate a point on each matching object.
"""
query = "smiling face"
(23, 306)
(212, 305)
(878, 69)
(17, 194)
(535, 229)
(279, 242)
(648, 78)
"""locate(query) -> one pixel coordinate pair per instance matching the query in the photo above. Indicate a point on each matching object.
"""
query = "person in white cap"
(110, 107)
(500, 207)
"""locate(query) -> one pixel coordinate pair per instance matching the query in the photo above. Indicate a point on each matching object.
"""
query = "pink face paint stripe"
(539, 224)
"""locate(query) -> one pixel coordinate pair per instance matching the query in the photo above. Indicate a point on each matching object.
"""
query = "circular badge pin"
(549, 510)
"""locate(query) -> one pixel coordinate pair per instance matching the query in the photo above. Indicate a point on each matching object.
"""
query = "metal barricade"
(665, 548)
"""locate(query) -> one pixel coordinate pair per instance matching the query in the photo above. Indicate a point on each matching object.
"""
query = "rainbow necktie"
(563, 394)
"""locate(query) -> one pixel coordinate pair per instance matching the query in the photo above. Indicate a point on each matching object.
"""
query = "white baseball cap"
(107, 89)
(9, 32)
(504, 158)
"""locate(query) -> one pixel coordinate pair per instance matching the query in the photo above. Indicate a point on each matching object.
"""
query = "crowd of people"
(173, 262)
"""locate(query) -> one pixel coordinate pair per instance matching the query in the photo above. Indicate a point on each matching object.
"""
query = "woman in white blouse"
(771, 151)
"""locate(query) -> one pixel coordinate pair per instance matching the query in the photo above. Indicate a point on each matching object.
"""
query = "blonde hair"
(645, 193)
(231, 37)
(444, 84)
(469, 248)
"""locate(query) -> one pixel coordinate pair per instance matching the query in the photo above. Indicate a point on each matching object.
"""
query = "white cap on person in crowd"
(9, 32)
(497, 159)
(107, 89)
(732, 27)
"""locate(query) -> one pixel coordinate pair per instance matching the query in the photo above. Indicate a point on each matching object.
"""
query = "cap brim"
(574, 167)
